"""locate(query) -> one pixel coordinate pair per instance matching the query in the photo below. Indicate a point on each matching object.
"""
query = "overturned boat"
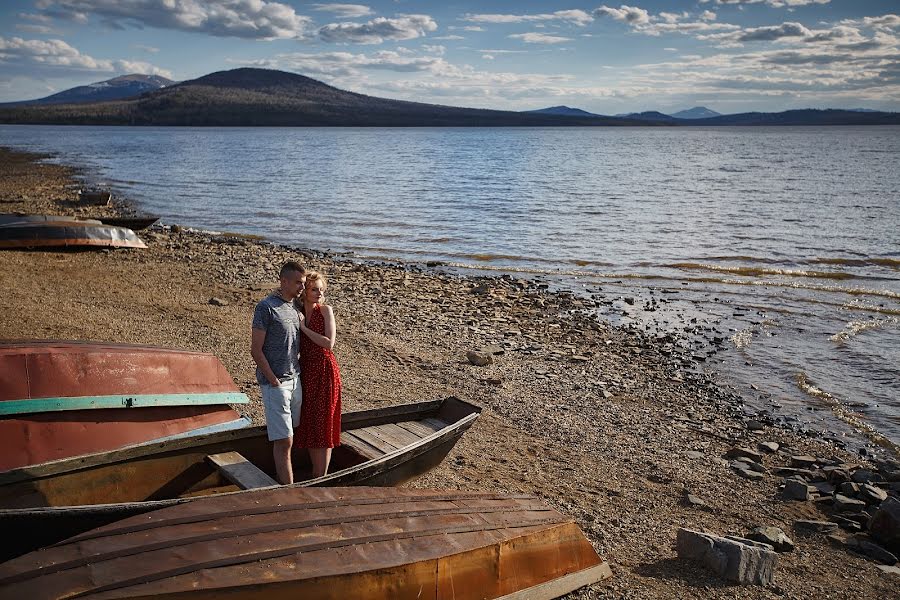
(366, 543)
(45, 503)
(48, 231)
(67, 398)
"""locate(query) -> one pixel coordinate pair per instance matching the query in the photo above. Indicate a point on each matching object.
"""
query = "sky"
(728, 55)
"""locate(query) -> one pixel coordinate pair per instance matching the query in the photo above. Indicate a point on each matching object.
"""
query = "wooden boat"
(135, 223)
(96, 196)
(43, 231)
(45, 503)
(336, 543)
(64, 398)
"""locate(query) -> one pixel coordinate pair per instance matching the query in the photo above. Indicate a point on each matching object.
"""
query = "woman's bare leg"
(321, 458)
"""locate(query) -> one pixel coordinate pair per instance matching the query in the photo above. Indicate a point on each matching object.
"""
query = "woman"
(320, 415)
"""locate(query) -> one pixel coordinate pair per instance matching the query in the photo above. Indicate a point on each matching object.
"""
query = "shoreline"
(595, 419)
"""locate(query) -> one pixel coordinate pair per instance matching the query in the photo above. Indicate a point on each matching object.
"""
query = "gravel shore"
(601, 422)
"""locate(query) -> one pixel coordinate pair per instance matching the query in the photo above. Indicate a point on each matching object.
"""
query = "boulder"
(885, 524)
(218, 302)
(805, 526)
(863, 476)
(871, 494)
(773, 536)
(874, 551)
(479, 359)
(768, 447)
(803, 462)
(842, 503)
(745, 562)
(742, 452)
(796, 489)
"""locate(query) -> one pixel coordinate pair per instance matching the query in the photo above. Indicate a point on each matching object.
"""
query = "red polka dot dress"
(320, 413)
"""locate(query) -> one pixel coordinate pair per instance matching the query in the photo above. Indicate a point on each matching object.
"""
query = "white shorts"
(282, 406)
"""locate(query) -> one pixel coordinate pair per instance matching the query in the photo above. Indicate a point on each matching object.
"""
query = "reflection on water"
(785, 241)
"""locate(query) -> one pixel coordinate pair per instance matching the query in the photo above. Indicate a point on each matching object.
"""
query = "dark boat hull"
(53, 501)
(61, 232)
(368, 543)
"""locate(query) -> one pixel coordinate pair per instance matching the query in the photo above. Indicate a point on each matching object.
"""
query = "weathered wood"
(369, 435)
(39, 405)
(363, 448)
(396, 435)
(436, 423)
(562, 586)
(417, 427)
(239, 471)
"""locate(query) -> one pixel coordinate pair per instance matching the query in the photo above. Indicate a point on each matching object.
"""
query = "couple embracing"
(292, 339)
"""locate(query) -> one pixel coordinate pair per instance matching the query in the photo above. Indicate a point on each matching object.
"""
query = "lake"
(779, 246)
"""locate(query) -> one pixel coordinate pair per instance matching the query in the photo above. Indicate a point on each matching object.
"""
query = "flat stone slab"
(742, 561)
(815, 526)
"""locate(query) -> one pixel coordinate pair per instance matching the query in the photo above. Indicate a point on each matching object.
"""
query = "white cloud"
(576, 17)
(39, 29)
(145, 48)
(58, 58)
(629, 14)
(448, 37)
(775, 3)
(539, 38)
(253, 19)
(708, 15)
(376, 31)
(347, 11)
(473, 28)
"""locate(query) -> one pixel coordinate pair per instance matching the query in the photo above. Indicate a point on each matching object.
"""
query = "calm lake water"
(783, 242)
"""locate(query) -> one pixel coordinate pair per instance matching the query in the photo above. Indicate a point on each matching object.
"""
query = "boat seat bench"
(240, 471)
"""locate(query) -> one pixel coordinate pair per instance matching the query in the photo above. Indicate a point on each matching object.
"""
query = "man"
(275, 347)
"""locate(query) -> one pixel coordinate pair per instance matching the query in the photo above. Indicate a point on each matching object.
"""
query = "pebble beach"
(603, 423)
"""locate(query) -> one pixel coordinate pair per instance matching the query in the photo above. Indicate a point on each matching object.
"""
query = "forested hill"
(251, 97)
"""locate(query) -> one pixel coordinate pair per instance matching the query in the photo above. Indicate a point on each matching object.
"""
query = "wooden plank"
(435, 423)
(563, 585)
(396, 435)
(361, 447)
(418, 428)
(39, 405)
(367, 435)
(240, 471)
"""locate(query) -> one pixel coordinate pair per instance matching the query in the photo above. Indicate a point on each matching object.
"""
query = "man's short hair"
(291, 266)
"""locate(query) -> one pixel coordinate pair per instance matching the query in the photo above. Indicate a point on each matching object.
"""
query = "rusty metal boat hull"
(366, 543)
(45, 503)
(61, 398)
(62, 232)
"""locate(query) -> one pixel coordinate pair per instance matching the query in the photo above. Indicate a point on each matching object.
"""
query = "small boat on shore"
(46, 231)
(45, 503)
(95, 196)
(365, 543)
(133, 223)
(66, 398)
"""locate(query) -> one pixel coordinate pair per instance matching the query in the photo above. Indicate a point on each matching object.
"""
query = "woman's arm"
(327, 340)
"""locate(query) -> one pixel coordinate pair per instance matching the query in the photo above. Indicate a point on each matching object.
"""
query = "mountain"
(808, 116)
(250, 97)
(563, 111)
(698, 112)
(117, 88)
(651, 116)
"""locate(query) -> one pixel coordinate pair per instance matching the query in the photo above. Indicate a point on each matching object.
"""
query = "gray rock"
(885, 525)
(218, 302)
(863, 476)
(823, 487)
(848, 488)
(796, 489)
(768, 447)
(803, 461)
(844, 504)
(743, 452)
(889, 569)
(694, 454)
(692, 500)
(806, 526)
(871, 494)
(741, 469)
(479, 359)
(773, 536)
(874, 551)
(846, 524)
(744, 563)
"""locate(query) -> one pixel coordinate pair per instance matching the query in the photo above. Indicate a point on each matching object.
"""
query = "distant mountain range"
(263, 97)
(126, 86)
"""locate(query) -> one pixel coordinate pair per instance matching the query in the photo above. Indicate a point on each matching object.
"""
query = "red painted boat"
(43, 231)
(60, 399)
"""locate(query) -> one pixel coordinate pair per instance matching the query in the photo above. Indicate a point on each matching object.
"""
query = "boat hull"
(55, 500)
(65, 233)
(63, 398)
(369, 543)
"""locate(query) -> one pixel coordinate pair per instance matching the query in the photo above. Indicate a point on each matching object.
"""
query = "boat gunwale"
(98, 459)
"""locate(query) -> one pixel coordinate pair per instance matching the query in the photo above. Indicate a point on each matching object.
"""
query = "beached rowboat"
(134, 223)
(45, 503)
(52, 231)
(64, 398)
(337, 543)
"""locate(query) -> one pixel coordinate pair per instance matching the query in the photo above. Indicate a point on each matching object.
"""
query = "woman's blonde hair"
(311, 278)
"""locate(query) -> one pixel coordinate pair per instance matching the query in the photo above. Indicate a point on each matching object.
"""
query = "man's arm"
(257, 339)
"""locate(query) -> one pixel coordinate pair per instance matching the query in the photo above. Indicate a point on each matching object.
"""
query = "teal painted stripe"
(37, 405)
